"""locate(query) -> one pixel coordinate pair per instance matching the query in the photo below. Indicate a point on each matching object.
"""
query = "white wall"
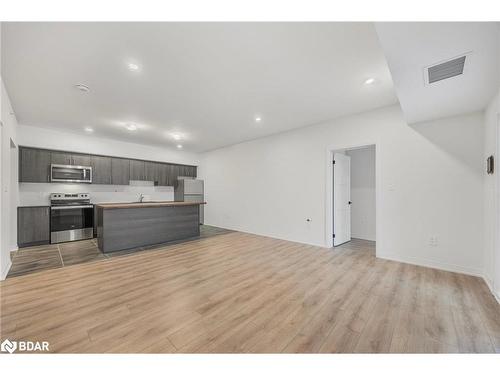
(8, 178)
(363, 193)
(430, 178)
(9, 185)
(491, 199)
(35, 194)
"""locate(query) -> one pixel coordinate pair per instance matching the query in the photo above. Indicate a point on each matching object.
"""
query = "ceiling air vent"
(445, 70)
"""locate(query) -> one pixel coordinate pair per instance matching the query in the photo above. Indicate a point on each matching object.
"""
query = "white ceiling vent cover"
(447, 69)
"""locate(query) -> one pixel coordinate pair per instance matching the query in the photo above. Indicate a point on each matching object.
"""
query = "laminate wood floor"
(239, 292)
(44, 257)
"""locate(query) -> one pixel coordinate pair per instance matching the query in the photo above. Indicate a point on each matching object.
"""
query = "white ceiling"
(409, 47)
(205, 81)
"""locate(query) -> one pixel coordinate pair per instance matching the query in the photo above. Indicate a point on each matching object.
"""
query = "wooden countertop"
(146, 204)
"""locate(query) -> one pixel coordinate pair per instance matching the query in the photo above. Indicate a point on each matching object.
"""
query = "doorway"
(353, 194)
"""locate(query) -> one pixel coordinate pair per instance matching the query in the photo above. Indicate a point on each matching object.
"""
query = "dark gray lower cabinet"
(34, 165)
(33, 225)
(101, 169)
(120, 171)
(137, 170)
(95, 221)
(127, 228)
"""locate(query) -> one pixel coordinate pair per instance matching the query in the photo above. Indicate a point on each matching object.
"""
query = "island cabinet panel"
(33, 226)
(34, 165)
(101, 169)
(120, 171)
(126, 228)
(151, 172)
(137, 169)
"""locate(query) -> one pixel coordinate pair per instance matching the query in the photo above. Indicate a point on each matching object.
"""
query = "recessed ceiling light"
(370, 81)
(89, 130)
(131, 127)
(258, 119)
(176, 136)
(179, 146)
(82, 87)
(133, 67)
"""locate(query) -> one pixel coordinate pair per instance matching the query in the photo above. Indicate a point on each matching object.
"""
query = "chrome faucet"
(141, 198)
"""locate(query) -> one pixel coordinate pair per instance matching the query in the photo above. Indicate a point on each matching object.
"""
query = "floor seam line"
(60, 255)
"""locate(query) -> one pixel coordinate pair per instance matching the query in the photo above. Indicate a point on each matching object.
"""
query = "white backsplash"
(37, 194)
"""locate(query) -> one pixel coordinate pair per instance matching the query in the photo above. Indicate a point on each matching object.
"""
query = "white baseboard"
(14, 249)
(432, 264)
(489, 283)
(444, 267)
(5, 270)
(429, 263)
(366, 238)
(268, 235)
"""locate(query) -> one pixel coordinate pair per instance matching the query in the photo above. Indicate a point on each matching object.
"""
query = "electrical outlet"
(433, 241)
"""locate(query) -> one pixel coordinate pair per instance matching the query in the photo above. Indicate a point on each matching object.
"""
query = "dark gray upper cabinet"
(80, 159)
(151, 172)
(174, 173)
(68, 158)
(34, 165)
(181, 170)
(186, 171)
(191, 170)
(120, 171)
(33, 226)
(101, 169)
(58, 157)
(164, 178)
(137, 170)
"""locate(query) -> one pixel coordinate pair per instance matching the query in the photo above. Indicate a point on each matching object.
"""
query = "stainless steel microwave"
(70, 173)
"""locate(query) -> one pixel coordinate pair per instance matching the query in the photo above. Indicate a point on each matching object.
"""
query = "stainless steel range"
(71, 217)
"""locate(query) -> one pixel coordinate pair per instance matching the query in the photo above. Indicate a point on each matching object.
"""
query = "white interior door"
(341, 199)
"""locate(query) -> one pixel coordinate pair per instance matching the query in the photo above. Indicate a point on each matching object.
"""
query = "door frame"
(334, 165)
(496, 245)
(341, 147)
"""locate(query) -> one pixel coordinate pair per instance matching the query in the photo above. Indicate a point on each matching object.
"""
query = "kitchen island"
(122, 226)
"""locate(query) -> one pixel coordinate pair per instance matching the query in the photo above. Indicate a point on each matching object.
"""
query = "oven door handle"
(70, 207)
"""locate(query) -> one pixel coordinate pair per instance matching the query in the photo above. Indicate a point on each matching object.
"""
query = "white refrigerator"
(190, 190)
